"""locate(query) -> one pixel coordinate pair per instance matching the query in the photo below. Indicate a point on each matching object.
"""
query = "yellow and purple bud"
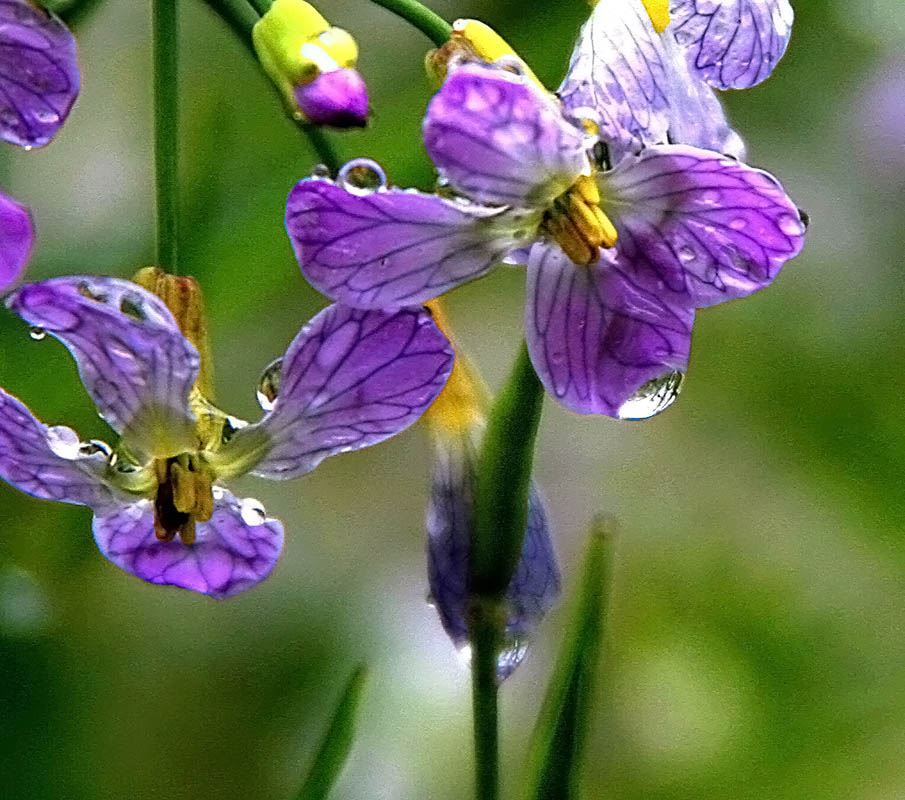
(312, 63)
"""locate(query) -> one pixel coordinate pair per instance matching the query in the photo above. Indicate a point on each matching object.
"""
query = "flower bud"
(16, 239)
(312, 64)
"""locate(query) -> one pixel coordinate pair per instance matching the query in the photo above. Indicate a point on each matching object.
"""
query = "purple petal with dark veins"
(536, 583)
(732, 44)
(16, 239)
(392, 248)
(595, 336)
(132, 358)
(49, 462)
(499, 139)
(39, 73)
(350, 379)
(693, 222)
(236, 549)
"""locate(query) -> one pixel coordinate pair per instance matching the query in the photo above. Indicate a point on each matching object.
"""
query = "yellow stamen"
(184, 497)
(578, 224)
(658, 11)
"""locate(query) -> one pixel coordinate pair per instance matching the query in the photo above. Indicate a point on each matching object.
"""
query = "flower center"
(577, 224)
(184, 496)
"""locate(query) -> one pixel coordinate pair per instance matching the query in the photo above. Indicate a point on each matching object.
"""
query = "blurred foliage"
(754, 646)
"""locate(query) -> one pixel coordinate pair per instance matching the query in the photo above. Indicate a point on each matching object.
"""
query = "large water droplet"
(269, 385)
(362, 176)
(791, 225)
(653, 397)
(252, 511)
(64, 442)
(37, 333)
(93, 447)
(510, 657)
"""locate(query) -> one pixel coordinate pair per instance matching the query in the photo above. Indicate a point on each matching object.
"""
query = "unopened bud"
(16, 238)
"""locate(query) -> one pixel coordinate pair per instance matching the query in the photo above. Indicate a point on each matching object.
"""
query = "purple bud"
(16, 238)
(338, 98)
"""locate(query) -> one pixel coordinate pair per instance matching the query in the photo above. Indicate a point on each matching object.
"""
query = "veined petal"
(237, 548)
(16, 239)
(50, 462)
(498, 138)
(394, 248)
(132, 358)
(702, 225)
(39, 73)
(350, 379)
(732, 44)
(595, 336)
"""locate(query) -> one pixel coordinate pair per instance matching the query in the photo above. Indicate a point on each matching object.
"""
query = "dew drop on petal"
(687, 254)
(93, 447)
(791, 225)
(37, 333)
(252, 512)
(269, 385)
(738, 223)
(218, 492)
(320, 171)
(509, 659)
(653, 397)
(362, 176)
(64, 442)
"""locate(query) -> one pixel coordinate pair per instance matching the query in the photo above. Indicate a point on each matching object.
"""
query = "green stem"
(485, 633)
(437, 29)
(242, 18)
(166, 130)
(261, 6)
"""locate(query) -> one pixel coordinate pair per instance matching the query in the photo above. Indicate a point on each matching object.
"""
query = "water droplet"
(687, 254)
(252, 512)
(791, 225)
(653, 397)
(218, 492)
(511, 656)
(46, 116)
(269, 385)
(320, 171)
(37, 333)
(511, 63)
(711, 196)
(94, 446)
(63, 441)
(738, 223)
(362, 176)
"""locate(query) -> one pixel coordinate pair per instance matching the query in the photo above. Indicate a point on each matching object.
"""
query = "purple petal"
(338, 98)
(700, 224)
(637, 86)
(350, 379)
(390, 248)
(732, 44)
(499, 139)
(536, 583)
(134, 362)
(50, 462)
(39, 73)
(236, 549)
(16, 239)
(596, 337)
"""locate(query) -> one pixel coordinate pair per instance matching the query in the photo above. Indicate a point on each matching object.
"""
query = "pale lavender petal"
(450, 517)
(16, 239)
(498, 138)
(732, 44)
(236, 549)
(39, 73)
(596, 337)
(350, 379)
(50, 462)
(693, 222)
(392, 248)
(338, 98)
(132, 358)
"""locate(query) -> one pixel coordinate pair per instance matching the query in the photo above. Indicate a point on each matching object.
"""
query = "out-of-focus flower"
(456, 423)
(350, 379)
(39, 76)
(621, 256)
(312, 64)
(16, 239)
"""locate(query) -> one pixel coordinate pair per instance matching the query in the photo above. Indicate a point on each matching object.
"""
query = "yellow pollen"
(578, 224)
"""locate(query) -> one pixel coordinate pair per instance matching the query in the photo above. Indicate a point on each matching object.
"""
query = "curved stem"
(166, 130)
(437, 29)
(261, 6)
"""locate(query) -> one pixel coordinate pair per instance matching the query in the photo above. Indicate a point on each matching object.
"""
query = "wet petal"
(536, 583)
(700, 224)
(39, 73)
(732, 44)
(134, 362)
(50, 462)
(499, 139)
(350, 379)
(392, 248)
(236, 549)
(16, 238)
(595, 336)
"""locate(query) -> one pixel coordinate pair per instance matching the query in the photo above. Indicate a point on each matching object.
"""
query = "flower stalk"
(437, 29)
(166, 131)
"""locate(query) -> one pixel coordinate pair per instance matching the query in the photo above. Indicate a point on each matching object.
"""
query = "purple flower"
(350, 379)
(338, 98)
(619, 258)
(39, 73)
(16, 239)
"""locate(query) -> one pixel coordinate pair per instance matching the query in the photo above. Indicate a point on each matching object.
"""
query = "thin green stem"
(241, 17)
(485, 632)
(261, 6)
(437, 29)
(166, 131)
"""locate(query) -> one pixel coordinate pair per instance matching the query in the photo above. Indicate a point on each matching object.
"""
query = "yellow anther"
(609, 235)
(582, 216)
(563, 231)
(586, 186)
(577, 223)
(591, 128)
(658, 11)
(184, 496)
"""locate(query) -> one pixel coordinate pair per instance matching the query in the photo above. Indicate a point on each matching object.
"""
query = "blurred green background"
(756, 635)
